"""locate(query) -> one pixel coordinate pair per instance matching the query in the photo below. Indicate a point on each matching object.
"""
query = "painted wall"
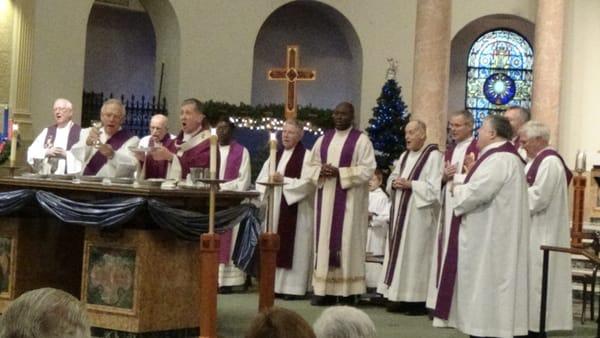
(6, 32)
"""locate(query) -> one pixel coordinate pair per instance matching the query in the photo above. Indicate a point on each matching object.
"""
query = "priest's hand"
(140, 156)
(327, 170)
(93, 137)
(277, 178)
(106, 150)
(402, 183)
(449, 171)
(469, 162)
(161, 154)
(56, 152)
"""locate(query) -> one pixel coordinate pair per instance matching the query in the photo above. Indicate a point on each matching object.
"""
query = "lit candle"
(213, 153)
(13, 144)
(272, 151)
(5, 122)
(580, 161)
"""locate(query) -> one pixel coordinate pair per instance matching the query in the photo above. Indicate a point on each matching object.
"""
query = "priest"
(293, 213)
(415, 187)
(517, 116)
(483, 286)
(53, 145)
(159, 137)
(548, 178)
(341, 164)
(235, 168)
(462, 151)
(105, 151)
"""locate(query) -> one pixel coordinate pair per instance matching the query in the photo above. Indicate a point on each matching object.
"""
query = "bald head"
(158, 127)
(415, 134)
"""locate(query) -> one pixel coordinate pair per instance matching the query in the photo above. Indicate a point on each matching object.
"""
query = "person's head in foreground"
(45, 313)
(344, 322)
(278, 322)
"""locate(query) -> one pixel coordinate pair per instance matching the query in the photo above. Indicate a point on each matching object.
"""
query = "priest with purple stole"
(235, 168)
(415, 187)
(483, 287)
(462, 151)
(104, 151)
(54, 143)
(159, 138)
(293, 213)
(192, 145)
(341, 165)
(548, 179)
(518, 116)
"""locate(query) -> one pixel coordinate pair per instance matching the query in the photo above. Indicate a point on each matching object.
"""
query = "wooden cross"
(291, 73)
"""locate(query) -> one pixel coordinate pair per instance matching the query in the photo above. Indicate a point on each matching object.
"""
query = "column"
(431, 70)
(549, 30)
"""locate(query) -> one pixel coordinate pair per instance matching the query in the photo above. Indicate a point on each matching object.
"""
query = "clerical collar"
(491, 146)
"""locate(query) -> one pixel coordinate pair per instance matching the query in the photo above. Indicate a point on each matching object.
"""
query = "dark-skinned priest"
(483, 288)
(415, 187)
(293, 213)
(341, 165)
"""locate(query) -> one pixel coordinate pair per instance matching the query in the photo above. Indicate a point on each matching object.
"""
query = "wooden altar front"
(137, 279)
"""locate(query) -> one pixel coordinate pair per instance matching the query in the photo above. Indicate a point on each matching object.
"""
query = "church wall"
(6, 29)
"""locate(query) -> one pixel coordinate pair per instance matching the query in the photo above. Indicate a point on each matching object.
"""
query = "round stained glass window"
(499, 88)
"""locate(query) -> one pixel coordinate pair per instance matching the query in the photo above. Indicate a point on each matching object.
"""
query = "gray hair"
(64, 101)
(296, 123)
(420, 124)
(524, 113)
(535, 129)
(501, 125)
(115, 102)
(344, 322)
(45, 313)
(466, 115)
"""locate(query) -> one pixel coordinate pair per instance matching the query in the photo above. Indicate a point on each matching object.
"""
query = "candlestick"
(5, 122)
(580, 162)
(213, 153)
(272, 154)
(13, 144)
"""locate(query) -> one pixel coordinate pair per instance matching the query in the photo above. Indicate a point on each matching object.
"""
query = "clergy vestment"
(192, 151)
(145, 141)
(454, 155)
(483, 287)
(56, 137)
(548, 180)
(415, 211)
(516, 141)
(235, 168)
(152, 168)
(341, 211)
(292, 219)
(379, 208)
(99, 165)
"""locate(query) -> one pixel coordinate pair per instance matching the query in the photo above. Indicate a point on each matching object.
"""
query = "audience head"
(112, 115)
(159, 127)
(192, 116)
(63, 111)
(495, 128)
(278, 322)
(461, 125)
(534, 137)
(225, 131)
(344, 322)
(376, 180)
(292, 133)
(343, 116)
(415, 134)
(517, 116)
(45, 313)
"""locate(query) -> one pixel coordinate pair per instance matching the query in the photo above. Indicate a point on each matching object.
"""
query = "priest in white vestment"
(234, 166)
(379, 218)
(341, 166)
(105, 151)
(518, 116)
(159, 129)
(483, 288)
(548, 178)
(53, 145)
(463, 150)
(415, 187)
(292, 213)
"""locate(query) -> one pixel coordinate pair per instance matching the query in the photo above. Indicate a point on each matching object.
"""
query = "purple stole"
(198, 156)
(98, 160)
(72, 138)
(471, 149)
(446, 288)
(405, 195)
(339, 202)
(158, 169)
(232, 171)
(533, 169)
(288, 214)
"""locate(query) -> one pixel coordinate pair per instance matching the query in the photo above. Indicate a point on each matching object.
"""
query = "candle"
(213, 153)
(580, 161)
(13, 144)
(272, 151)
(5, 122)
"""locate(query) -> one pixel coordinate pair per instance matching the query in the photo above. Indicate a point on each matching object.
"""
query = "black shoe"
(349, 300)
(416, 309)
(397, 307)
(224, 290)
(285, 296)
(323, 300)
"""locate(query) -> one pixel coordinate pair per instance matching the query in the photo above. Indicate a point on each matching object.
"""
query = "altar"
(138, 278)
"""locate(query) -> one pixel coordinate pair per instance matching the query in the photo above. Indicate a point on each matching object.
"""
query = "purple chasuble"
(339, 202)
(158, 169)
(533, 169)
(232, 171)
(405, 195)
(446, 289)
(98, 160)
(288, 214)
(72, 139)
(196, 157)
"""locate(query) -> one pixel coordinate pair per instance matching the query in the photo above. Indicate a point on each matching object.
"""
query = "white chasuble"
(37, 150)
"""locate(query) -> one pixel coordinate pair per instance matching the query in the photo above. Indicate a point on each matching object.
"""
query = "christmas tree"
(390, 116)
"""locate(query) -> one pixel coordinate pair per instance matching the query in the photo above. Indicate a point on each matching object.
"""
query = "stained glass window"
(499, 73)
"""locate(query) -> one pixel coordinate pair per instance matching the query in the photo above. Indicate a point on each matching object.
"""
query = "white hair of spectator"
(344, 322)
(536, 129)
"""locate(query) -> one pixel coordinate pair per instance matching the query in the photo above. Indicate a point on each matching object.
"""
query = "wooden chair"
(589, 278)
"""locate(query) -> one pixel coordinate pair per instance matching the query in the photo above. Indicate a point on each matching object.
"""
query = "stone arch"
(328, 43)
(462, 41)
